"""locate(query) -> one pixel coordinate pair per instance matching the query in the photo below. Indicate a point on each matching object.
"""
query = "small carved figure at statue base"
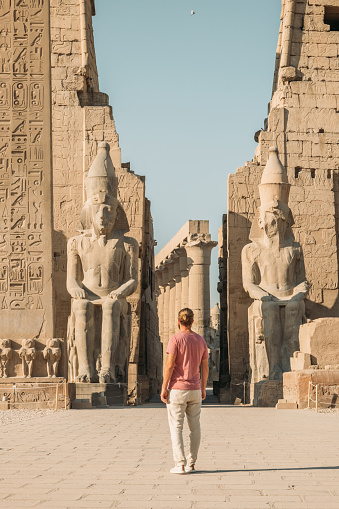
(27, 354)
(5, 355)
(274, 276)
(101, 271)
(52, 354)
(73, 364)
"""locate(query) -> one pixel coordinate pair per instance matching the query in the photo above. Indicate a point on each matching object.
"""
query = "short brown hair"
(186, 317)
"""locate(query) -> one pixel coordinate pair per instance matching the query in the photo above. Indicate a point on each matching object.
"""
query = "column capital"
(199, 249)
(169, 265)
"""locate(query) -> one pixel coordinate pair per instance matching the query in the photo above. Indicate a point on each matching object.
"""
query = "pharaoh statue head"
(102, 211)
(274, 214)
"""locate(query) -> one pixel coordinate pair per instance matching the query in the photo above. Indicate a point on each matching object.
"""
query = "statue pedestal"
(266, 393)
(99, 395)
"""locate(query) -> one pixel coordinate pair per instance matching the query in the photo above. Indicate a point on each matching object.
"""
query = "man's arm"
(167, 376)
(204, 377)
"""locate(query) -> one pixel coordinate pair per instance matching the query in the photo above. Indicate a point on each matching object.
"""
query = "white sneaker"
(178, 469)
(190, 469)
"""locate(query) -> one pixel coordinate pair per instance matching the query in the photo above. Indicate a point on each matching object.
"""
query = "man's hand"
(163, 395)
(78, 293)
(203, 394)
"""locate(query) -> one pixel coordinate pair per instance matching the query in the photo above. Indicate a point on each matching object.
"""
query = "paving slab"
(250, 458)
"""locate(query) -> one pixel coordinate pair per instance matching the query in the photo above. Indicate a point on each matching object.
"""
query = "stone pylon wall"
(303, 123)
(81, 119)
(26, 292)
(182, 279)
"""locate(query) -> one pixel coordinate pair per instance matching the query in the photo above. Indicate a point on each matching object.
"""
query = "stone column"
(171, 281)
(177, 279)
(199, 257)
(165, 336)
(161, 296)
(184, 279)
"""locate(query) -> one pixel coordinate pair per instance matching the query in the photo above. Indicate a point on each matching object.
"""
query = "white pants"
(179, 403)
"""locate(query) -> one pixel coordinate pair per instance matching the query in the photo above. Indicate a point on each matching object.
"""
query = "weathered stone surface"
(319, 339)
(297, 387)
(300, 361)
(107, 261)
(283, 404)
(97, 394)
(303, 123)
(26, 292)
(266, 393)
(274, 276)
(34, 393)
(81, 119)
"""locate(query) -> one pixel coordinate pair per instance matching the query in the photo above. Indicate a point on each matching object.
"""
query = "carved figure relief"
(5, 355)
(274, 276)
(101, 273)
(52, 354)
(73, 363)
(27, 354)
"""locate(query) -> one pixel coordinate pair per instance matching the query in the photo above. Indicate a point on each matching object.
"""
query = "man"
(183, 390)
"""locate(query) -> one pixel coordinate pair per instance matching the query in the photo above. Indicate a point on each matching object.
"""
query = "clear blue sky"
(188, 94)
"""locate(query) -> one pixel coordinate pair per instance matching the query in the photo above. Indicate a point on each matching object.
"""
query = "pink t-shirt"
(189, 349)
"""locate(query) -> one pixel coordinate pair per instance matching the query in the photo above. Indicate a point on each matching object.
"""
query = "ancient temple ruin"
(303, 124)
(53, 118)
(183, 279)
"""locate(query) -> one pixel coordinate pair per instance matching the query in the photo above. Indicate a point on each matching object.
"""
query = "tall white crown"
(102, 172)
(274, 184)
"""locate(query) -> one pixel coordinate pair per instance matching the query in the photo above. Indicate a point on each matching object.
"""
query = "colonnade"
(183, 280)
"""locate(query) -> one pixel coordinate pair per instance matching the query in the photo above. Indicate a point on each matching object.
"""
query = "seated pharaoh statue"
(274, 276)
(101, 273)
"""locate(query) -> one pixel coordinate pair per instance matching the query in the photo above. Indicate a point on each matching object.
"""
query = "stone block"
(319, 339)
(225, 395)
(300, 361)
(101, 394)
(81, 404)
(284, 404)
(296, 386)
(266, 393)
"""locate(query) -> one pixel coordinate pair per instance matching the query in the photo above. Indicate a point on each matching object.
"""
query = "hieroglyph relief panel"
(25, 168)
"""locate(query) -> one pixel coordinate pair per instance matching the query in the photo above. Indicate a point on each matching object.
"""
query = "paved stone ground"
(120, 458)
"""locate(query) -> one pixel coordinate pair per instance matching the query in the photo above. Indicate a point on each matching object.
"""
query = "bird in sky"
(192, 12)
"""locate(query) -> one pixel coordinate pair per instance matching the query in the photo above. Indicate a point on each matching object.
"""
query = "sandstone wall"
(303, 123)
(81, 118)
(26, 288)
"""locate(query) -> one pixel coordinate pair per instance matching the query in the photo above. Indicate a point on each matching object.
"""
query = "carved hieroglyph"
(274, 276)
(101, 273)
(25, 170)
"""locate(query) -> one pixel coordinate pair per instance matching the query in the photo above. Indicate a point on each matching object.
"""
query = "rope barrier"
(316, 401)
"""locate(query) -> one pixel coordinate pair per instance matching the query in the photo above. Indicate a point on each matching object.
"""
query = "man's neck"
(185, 329)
